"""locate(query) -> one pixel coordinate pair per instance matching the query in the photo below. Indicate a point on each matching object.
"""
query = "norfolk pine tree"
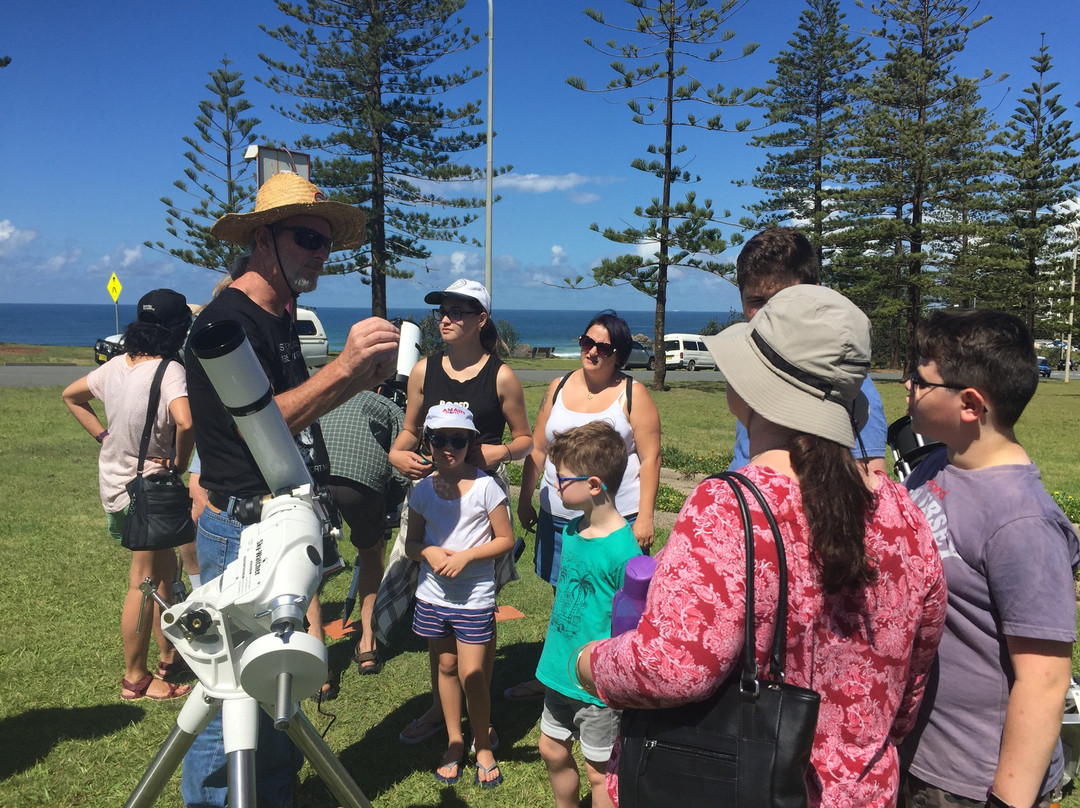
(367, 77)
(665, 37)
(221, 177)
(809, 105)
(1042, 173)
(902, 165)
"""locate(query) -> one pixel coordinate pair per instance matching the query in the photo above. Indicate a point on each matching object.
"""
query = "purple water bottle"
(629, 602)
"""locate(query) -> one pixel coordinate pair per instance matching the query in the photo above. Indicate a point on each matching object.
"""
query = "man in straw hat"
(290, 235)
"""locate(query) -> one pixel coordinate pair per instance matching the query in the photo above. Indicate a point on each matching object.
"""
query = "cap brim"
(772, 396)
(435, 298)
(346, 223)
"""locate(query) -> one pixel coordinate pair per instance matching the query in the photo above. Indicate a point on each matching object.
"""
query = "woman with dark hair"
(598, 391)
(866, 593)
(468, 372)
(123, 386)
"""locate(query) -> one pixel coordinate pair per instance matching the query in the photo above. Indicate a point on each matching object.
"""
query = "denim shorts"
(595, 727)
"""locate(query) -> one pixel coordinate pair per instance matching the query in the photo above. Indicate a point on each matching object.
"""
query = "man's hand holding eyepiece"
(370, 353)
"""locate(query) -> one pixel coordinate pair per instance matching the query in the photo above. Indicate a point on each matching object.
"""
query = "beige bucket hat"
(287, 194)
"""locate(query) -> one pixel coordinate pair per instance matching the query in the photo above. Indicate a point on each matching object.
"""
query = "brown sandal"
(141, 688)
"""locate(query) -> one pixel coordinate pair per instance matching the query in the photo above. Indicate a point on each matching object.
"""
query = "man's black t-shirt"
(227, 465)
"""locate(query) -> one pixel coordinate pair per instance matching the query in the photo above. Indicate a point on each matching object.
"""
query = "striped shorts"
(470, 626)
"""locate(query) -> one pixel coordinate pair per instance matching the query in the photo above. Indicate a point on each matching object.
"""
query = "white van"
(313, 341)
(686, 351)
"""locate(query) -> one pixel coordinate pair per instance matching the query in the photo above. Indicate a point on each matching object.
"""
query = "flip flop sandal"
(141, 688)
(368, 656)
(456, 766)
(487, 770)
(432, 726)
(329, 691)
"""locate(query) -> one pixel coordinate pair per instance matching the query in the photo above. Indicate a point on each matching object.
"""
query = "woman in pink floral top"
(866, 591)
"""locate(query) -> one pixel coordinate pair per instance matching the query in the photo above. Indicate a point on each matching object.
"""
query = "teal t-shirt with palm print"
(591, 572)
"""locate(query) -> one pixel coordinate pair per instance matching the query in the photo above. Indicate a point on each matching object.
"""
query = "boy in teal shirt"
(590, 461)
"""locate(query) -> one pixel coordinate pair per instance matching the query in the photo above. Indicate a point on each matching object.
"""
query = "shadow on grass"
(380, 760)
(28, 738)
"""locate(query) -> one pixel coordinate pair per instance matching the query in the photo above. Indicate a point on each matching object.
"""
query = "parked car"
(1061, 365)
(108, 347)
(313, 341)
(686, 351)
(640, 357)
(1044, 366)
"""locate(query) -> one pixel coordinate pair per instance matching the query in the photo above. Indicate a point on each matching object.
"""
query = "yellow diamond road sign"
(114, 287)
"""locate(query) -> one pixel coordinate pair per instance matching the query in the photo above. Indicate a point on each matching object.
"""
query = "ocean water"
(81, 324)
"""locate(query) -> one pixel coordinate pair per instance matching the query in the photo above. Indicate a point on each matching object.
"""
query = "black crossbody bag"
(746, 746)
(159, 516)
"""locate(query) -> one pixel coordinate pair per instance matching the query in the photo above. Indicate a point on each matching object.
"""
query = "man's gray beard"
(301, 284)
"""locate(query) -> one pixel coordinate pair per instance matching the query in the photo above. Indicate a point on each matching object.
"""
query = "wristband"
(100, 437)
(509, 454)
(994, 801)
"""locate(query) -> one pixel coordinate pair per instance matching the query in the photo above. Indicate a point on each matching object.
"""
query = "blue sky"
(98, 96)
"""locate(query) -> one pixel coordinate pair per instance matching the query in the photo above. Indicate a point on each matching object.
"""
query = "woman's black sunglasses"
(457, 442)
(603, 349)
(308, 239)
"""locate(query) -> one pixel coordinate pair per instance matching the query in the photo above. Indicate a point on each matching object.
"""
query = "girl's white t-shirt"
(458, 524)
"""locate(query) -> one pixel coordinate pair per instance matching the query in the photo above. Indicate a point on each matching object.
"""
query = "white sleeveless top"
(562, 419)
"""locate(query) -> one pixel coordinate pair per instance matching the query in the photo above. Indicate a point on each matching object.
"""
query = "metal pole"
(490, 127)
(1072, 301)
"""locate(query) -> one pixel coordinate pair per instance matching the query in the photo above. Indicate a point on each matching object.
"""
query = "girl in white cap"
(458, 525)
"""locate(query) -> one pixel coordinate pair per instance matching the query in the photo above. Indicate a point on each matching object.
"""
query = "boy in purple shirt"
(988, 732)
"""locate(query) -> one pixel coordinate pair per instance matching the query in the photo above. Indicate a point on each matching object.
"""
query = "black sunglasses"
(918, 381)
(603, 349)
(457, 442)
(455, 315)
(308, 239)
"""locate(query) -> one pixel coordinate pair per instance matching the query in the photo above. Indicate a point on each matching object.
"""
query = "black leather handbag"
(159, 515)
(746, 746)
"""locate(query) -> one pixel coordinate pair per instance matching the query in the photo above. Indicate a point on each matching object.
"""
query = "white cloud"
(457, 261)
(558, 255)
(12, 238)
(545, 183)
(131, 256)
(584, 199)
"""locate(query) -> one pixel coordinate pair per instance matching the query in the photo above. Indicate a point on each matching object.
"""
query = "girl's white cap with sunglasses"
(450, 416)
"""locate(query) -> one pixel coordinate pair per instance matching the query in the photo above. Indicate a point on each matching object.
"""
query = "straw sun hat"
(801, 361)
(285, 195)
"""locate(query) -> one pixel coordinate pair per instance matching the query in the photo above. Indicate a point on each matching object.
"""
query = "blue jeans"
(204, 782)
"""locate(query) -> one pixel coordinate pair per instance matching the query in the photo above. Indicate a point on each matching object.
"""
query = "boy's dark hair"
(989, 350)
(777, 254)
(595, 449)
(618, 333)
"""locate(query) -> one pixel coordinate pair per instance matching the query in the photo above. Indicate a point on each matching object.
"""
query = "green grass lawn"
(66, 739)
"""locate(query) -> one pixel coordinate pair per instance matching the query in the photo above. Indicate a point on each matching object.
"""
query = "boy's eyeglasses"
(308, 239)
(918, 382)
(603, 349)
(454, 315)
(457, 442)
(564, 481)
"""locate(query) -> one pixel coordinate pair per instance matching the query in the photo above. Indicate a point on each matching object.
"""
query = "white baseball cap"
(462, 289)
(450, 416)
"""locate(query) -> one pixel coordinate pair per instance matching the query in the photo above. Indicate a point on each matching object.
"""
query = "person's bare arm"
(533, 467)
(645, 421)
(512, 401)
(185, 436)
(368, 358)
(77, 398)
(1043, 669)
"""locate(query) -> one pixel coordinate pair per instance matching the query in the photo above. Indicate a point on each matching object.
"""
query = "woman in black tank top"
(467, 372)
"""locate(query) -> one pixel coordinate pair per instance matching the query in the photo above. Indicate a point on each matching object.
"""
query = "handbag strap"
(151, 411)
(779, 644)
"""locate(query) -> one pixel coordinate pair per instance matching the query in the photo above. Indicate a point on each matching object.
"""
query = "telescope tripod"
(240, 726)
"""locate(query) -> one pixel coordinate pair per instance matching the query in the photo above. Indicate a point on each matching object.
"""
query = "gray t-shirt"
(1009, 555)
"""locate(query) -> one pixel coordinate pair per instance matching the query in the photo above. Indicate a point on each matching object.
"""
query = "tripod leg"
(240, 724)
(325, 763)
(194, 716)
